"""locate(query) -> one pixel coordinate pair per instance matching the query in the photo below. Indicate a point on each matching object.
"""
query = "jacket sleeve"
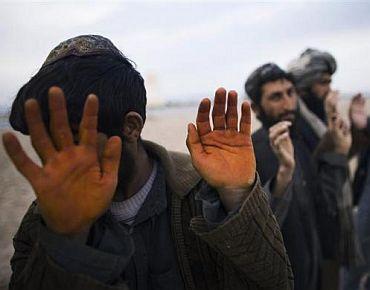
(335, 210)
(251, 240)
(360, 139)
(279, 205)
(42, 261)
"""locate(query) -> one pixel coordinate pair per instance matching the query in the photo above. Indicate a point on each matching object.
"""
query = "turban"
(310, 66)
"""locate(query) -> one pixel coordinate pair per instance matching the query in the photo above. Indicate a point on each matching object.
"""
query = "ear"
(132, 126)
(256, 109)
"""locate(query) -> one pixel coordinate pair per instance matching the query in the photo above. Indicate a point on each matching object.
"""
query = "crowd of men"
(302, 153)
(269, 210)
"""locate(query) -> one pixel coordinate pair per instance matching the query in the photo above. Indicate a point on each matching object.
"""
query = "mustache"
(287, 113)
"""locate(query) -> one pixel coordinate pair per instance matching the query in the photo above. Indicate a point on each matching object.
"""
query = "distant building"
(154, 95)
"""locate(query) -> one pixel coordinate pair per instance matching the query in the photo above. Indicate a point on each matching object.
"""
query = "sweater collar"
(180, 174)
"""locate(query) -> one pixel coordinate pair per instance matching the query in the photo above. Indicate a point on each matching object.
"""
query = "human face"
(321, 87)
(278, 102)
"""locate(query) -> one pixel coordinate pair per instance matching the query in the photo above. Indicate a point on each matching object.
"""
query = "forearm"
(281, 182)
(252, 241)
(45, 260)
(279, 204)
(42, 273)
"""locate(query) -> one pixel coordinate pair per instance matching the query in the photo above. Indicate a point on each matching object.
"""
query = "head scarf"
(310, 66)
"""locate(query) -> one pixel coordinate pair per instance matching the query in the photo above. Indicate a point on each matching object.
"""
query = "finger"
(283, 125)
(345, 128)
(59, 125)
(361, 99)
(203, 125)
(193, 142)
(245, 120)
(218, 112)
(285, 155)
(111, 157)
(232, 111)
(357, 98)
(278, 141)
(22, 162)
(88, 126)
(331, 121)
(279, 129)
(39, 137)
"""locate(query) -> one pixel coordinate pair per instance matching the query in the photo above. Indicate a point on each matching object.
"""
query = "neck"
(143, 169)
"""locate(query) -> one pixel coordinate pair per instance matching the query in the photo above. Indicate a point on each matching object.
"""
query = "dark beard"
(315, 105)
(268, 121)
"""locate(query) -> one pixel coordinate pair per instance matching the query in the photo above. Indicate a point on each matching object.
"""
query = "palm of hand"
(73, 187)
(357, 112)
(331, 103)
(71, 183)
(340, 134)
(224, 156)
(228, 160)
(281, 144)
(359, 117)
(287, 152)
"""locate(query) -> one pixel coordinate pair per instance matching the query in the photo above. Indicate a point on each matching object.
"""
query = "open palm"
(223, 155)
(73, 187)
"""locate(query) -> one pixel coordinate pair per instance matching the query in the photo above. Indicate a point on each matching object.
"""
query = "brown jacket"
(246, 252)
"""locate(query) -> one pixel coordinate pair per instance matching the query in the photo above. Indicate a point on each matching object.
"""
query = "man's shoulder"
(181, 176)
(29, 227)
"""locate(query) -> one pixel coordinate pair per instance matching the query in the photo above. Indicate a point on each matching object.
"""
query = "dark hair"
(113, 78)
(266, 73)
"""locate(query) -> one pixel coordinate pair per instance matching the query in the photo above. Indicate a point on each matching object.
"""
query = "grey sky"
(187, 49)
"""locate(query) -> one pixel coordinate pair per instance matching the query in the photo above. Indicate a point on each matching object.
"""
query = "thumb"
(193, 141)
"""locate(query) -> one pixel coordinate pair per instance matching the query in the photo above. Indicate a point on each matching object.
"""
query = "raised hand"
(282, 146)
(73, 187)
(223, 155)
(331, 104)
(357, 112)
(340, 134)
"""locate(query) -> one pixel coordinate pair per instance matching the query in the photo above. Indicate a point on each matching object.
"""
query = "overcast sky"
(187, 49)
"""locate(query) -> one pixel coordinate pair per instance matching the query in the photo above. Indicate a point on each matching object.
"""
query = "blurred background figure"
(358, 277)
(312, 72)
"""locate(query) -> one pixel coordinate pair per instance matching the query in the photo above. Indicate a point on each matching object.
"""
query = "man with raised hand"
(358, 276)
(116, 212)
(304, 192)
(312, 72)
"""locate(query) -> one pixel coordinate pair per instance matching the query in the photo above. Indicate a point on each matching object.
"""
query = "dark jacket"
(361, 145)
(245, 252)
(307, 213)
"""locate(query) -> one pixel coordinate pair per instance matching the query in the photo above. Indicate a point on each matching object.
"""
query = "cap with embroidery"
(82, 45)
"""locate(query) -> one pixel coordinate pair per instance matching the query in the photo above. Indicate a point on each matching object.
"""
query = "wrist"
(342, 150)
(79, 235)
(285, 174)
(233, 197)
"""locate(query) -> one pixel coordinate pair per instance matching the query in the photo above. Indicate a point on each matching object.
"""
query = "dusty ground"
(167, 127)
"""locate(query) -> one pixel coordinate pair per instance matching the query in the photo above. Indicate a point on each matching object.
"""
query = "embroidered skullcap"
(82, 45)
(310, 66)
